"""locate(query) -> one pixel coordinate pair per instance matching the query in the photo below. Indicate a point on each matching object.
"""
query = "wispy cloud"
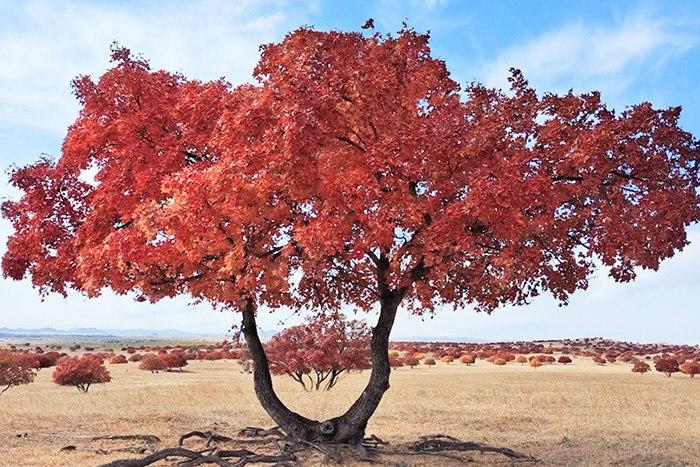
(586, 56)
(43, 45)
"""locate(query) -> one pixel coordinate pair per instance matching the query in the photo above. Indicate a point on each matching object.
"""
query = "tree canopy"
(350, 153)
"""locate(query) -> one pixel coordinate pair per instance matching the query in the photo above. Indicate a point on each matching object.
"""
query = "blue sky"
(630, 51)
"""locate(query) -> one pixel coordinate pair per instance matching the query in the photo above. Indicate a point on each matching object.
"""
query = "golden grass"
(581, 414)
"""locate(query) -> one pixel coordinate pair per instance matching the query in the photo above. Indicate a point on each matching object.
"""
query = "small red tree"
(521, 359)
(118, 359)
(466, 359)
(15, 368)
(429, 362)
(599, 360)
(640, 367)
(153, 363)
(499, 361)
(564, 359)
(323, 350)
(81, 372)
(690, 368)
(667, 366)
(411, 362)
(447, 359)
(536, 363)
(174, 359)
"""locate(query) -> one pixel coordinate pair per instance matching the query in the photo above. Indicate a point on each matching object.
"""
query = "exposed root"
(253, 431)
(208, 435)
(281, 450)
(208, 456)
(443, 443)
(152, 439)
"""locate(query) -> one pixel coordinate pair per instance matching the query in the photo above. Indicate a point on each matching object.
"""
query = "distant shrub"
(118, 359)
(396, 362)
(81, 372)
(447, 359)
(599, 360)
(137, 357)
(521, 359)
(499, 361)
(564, 359)
(174, 360)
(153, 363)
(666, 366)
(410, 362)
(466, 359)
(690, 368)
(536, 363)
(640, 367)
(429, 361)
(15, 369)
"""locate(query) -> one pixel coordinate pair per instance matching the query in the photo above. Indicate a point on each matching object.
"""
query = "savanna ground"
(579, 414)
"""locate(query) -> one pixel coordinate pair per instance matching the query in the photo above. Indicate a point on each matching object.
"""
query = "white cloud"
(589, 56)
(49, 43)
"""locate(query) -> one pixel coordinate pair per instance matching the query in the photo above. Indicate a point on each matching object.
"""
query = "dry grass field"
(581, 414)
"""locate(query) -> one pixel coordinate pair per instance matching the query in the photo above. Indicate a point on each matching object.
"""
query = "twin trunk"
(348, 428)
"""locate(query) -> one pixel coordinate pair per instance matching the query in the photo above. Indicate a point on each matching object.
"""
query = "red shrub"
(499, 361)
(690, 368)
(466, 359)
(536, 363)
(81, 372)
(429, 361)
(15, 369)
(521, 359)
(410, 361)
(118, 359)
(174, 360)
(137, 357)
(564, 359)
(447, 359)
(153, 363)
(667, 366)
(640, 367)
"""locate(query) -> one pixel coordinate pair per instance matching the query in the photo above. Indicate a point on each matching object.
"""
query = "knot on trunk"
(327, 428)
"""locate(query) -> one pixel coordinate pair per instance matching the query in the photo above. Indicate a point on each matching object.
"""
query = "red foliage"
(466, 359)
(564, 359)
(324, 349)
(429, 361)
(174, 359)
(118, 359)
(410, 362)
(667, 366)
(536, 363)
(137, 357)
(15, 368)
(521, 359)
(690, 368)
(640, 367)
(153, 363)
(81, 372)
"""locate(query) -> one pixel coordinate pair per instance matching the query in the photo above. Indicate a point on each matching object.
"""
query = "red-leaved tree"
(355, 172)
(667, 366)
(323, 350)
(16, 368)
(81, 372)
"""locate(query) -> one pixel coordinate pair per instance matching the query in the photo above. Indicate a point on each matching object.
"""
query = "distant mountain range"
(37, 332)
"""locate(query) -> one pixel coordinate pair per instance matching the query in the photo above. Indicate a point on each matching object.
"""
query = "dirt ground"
(580, 414)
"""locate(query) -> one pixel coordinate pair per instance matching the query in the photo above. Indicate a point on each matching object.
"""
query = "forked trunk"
(348, 428)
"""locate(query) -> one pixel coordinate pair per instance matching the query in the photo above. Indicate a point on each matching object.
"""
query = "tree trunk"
(350, 427)
(290, 422)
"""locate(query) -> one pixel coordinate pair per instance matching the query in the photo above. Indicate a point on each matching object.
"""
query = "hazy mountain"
(22, 332)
